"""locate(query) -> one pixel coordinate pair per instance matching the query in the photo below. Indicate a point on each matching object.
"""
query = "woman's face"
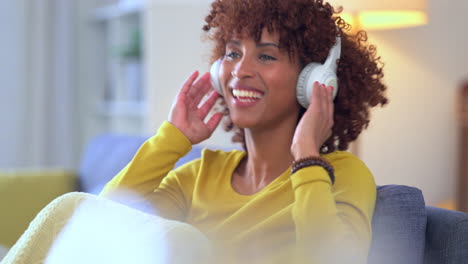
(259, 82)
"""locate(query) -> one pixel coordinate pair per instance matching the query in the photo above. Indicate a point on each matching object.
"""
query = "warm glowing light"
(349, 18)
(379, 20)
(391, 19)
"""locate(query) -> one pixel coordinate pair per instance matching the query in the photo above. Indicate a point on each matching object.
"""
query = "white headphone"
(312, 72)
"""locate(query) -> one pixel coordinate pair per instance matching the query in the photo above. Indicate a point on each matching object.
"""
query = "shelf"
(118, 96)
(119, 9)
(123, 108)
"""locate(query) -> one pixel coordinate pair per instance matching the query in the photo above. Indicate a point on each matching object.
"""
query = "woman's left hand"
(315, 126)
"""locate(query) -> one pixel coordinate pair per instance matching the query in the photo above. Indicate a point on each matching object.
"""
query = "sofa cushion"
(399, 225)
(104, 157)
(107, 154)
(446, 236)
(194, 154)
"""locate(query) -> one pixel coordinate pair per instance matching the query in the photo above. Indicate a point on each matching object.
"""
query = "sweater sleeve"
(152, 162)
(333, 222)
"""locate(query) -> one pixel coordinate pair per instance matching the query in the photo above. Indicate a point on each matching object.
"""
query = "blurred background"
(73, 70)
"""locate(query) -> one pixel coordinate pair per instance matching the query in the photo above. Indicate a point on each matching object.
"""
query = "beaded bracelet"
(314, 161)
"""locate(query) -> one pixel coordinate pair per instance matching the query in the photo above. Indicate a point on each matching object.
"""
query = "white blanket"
(83, 228)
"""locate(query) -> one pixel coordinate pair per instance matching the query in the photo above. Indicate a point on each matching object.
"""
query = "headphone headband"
(334, 54)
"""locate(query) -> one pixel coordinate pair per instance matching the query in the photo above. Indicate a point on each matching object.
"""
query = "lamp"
(386, 14)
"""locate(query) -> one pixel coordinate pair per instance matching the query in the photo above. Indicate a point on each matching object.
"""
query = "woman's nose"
(244, 68)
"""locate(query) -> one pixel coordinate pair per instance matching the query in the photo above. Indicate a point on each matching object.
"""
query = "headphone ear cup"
(214, 74)
(322, 73)
(314, 72)
(330, 79)
(305, 83)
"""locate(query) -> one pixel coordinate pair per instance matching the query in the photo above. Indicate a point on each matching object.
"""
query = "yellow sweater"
(302, 216)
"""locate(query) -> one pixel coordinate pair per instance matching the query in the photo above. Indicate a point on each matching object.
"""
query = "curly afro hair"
(307, 30)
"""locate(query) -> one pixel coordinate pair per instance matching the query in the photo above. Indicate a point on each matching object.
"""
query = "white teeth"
(246, 100)
(244, 93)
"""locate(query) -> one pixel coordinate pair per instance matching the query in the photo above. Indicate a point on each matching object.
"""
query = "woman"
(293, 193)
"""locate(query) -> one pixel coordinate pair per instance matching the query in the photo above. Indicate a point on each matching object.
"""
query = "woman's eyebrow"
(267, 44)
(234, 42)
(260, 45)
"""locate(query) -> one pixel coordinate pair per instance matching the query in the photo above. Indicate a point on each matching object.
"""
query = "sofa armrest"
(23, 193)
(446, 236)
(398, 226)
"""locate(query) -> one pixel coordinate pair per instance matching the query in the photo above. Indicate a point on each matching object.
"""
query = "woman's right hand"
(186, 114)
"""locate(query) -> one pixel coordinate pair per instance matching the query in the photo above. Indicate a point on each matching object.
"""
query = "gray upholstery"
(398, 225)
(104, 157)
(446, 237)
(107, 154)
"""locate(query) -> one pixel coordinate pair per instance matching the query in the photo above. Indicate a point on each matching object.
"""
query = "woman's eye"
(232, 55)
(265, 57)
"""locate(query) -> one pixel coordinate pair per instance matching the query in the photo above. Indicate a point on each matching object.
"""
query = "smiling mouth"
(246, 96)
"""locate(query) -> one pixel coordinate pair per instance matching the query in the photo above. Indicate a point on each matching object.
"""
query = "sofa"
(405, 230)
(23, 193)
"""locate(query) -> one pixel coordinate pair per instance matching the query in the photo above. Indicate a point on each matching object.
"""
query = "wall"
(174, 49)
(413, 141)
(11, 83)
(36, 109)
